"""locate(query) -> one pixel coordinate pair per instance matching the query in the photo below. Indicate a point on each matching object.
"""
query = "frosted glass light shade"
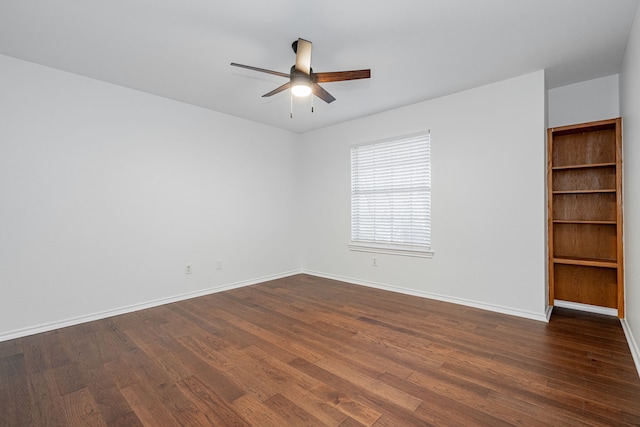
(301, 90)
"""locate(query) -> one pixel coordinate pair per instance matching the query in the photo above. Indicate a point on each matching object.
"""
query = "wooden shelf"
(576, 221)
(584, 189)
(587, 262)
(593, 191)
(583, 166)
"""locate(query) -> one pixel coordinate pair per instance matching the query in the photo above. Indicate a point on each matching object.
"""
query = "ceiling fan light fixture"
(301, 89)
(302, 80)
(300, 84)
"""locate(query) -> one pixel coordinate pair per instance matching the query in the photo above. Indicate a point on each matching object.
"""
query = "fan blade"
(278, 89)
(303, 56)
(322, 94)
(262, 70)
(338, 76)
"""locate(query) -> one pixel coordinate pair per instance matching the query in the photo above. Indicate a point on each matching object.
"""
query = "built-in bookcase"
(585, 214)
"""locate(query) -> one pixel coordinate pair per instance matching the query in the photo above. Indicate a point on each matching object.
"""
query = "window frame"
(391, 247)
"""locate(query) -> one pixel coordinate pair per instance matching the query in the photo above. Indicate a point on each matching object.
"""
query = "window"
(391, 196)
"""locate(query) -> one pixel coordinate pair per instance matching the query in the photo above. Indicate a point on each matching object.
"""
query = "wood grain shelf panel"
(587, 284)
(584, 166)
(587, 262)
(592, 191)
(576, 221)
(585, 207)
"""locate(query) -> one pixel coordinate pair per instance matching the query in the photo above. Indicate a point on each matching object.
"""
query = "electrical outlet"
(374, 262)
(188, 268)
(219, 264)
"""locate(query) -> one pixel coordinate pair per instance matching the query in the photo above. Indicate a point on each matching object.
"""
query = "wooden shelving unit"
(584, 178)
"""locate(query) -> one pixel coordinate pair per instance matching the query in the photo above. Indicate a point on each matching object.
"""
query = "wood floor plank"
(304, 350)
(551, 418)
(33, 354)
(376, 386)
(46, 405)
(295, 415)
(436, 409)
(14, 385)
(289, 341)
(318, 407)
(257, 413)
(218, 412)
(505, 380)
(347, 401)
(164, 405)
(12, 347)
(69, 378)
(81, 409)
(149, 410)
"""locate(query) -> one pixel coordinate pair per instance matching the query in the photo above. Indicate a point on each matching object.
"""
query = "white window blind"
(391, 196)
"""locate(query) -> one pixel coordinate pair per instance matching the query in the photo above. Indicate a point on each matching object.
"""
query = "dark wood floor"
(306, 351)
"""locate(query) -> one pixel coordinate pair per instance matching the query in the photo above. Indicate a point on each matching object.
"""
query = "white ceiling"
(416, 49)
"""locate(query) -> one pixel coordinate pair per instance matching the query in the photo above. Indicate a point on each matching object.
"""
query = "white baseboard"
(543, 317)
(19, 333)
(548, 313)
(633, 345)
(586, 307)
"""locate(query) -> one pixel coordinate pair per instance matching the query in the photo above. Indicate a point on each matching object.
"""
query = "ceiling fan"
(302, 80)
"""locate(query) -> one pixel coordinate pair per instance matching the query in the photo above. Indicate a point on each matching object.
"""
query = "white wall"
(107, 192)
(584, 102)
(488, 199)
(630, 106)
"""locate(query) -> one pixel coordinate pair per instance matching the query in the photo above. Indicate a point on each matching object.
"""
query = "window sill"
(391, 251)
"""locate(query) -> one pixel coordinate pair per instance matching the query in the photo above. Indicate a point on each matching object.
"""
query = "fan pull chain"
(291, 110)
(312, 103)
